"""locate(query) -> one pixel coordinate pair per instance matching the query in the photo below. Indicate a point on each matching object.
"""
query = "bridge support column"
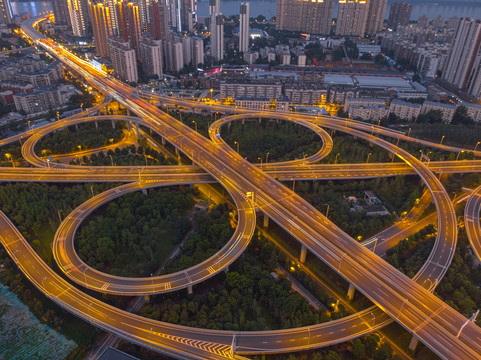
(96, 124)
(266, 221)
(147, 298)
(128, 112)
(350, 292)
(113, 124)
(413, 344)
(163, 140)
(302, 258)
(190, 290)
(137, 131)
(144, 191)
(176, 151)
(226, 269)
(128, 126)
(76, 126)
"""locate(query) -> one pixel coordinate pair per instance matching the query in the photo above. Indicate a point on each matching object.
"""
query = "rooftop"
(382, 81)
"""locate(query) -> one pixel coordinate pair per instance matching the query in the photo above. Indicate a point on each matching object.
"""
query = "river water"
(268, 8)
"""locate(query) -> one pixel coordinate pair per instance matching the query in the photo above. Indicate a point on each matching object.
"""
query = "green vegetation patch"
(211, 231)
(283, 140)
(247, 298)
(397, 194)
(87, 136)
(132, 235)
(127, 156)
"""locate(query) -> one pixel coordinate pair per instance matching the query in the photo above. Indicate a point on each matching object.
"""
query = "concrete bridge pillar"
(128, 126)
(413, 344)
(226, 269)
(302, 258)
(113, 124)
(137, 131)
(176, 151)
(350, 292)
(128, 112)
(147, 298)
(163, 141)
(144, 191)
(266, 221)
(76, 126)
(190, 290)
(96, 124)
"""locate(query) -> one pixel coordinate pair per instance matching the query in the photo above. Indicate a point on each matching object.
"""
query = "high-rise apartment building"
(438, 22)
(217, 36)
(61, 13)
(123, 59)
(399, 15)
(174, 14)
(464, 62)
(186, 15)
(151, 54)
(352, 17)
(375, 16)
(130, 27)
(144, 8)
(197, 51)
(174, 55)
(78, 17)
(187, 49)
(102, 27)
(244, 27)
(159, 20)
(214, 6)
(423, 22)
(314, 17)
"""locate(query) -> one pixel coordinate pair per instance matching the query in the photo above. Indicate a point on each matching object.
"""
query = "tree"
(461, 116)
(431, 117)
(358, 350)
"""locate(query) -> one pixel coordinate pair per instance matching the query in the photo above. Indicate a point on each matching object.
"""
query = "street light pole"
(267, 157)
(459, 153)
(9, 156)
(442, 140)
(59, 217)
(368, 156)
(479, 142)
(335, 161)
(401, 308)
(195, 123)
(237, 143)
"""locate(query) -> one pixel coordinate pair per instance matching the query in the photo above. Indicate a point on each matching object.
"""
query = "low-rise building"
(368, 112)
(42, 99)
(447, 110)
(362, 102)
(252, 103)
(405, 110)
(306, 95)
(474, 111)
(250, 90)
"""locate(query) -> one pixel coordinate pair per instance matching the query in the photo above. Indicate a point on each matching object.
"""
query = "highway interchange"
(398, 298)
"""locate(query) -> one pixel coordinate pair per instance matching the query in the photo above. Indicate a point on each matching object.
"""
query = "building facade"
(151, 54)
(124, 60)
(399, 15)
(352, 17)
(314, 17)
(102, 27)
(244, 27)
(375, 16)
